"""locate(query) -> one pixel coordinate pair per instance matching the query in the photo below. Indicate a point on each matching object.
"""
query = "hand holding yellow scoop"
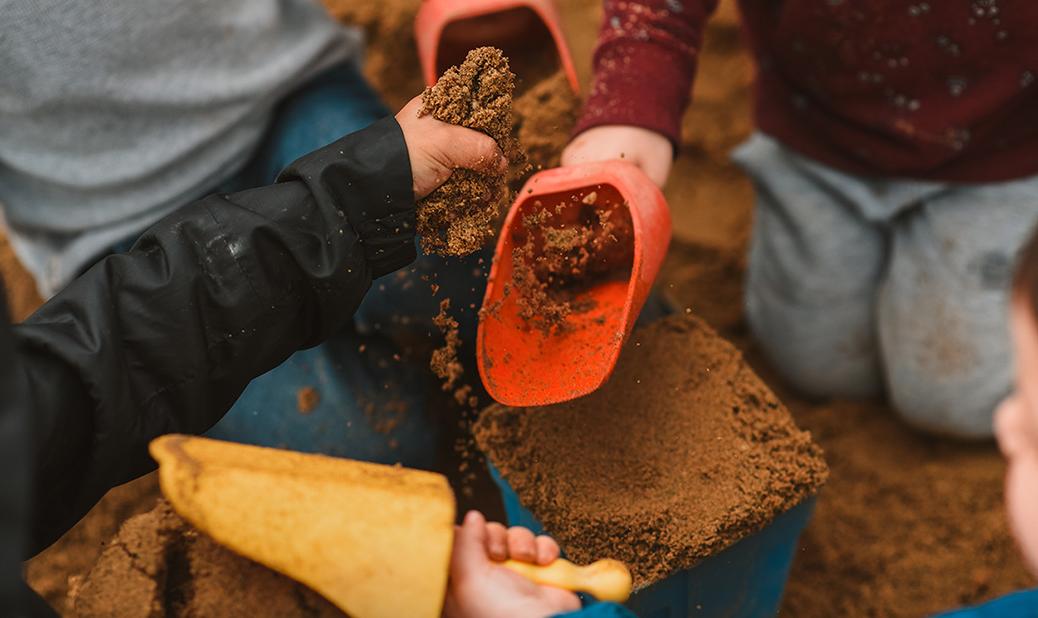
(374, 540)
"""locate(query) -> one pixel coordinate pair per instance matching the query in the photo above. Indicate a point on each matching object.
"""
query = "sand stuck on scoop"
(561, 253)
(459, 217)
(681, 454)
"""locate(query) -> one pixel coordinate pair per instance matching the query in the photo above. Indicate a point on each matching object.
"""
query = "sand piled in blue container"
(681, 454)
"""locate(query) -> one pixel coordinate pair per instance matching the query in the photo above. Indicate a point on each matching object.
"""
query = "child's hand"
(436, 148)
(479, 588)
(647, 149)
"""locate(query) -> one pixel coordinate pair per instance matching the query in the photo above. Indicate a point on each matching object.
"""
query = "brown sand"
(391, 60)
(560, 252)
(907, 525)
(683, 452)
(444, 362)
(22, 298)
(544, 116)
(307, 399)
(159, 566)
(52, 571)
(707, 282)
(459, 217)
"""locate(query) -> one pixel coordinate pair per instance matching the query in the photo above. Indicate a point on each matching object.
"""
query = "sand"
(708, 282)
(389, 29)
(906, 526)
(52, 571)
(683, 452)
(563, 250)
(444, 362)
(459, 217)
(22, 297)
(307, 399)
(544, 116)
(158, 566)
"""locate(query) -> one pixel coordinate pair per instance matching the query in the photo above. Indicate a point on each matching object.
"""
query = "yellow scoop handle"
(606, 580)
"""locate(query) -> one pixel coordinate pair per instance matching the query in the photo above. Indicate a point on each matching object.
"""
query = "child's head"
(1016, 424)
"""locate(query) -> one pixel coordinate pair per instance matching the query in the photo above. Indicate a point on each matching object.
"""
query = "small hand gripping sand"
(458, 218)
(374, 540)
(535, 349)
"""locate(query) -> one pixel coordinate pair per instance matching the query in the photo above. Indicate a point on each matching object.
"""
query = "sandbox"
(907, 526)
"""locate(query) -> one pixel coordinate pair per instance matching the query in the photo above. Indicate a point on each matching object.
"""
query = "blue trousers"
(1023, 604)
(377, 400)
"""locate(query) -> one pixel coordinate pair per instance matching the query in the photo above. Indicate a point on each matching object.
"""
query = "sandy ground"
(908, 524)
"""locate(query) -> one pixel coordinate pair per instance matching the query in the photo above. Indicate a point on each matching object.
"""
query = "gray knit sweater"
(115, 112)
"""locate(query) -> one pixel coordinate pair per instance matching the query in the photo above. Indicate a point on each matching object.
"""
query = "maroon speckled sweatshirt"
(929, 89)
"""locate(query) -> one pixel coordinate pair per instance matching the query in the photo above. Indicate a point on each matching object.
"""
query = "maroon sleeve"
(644, 64)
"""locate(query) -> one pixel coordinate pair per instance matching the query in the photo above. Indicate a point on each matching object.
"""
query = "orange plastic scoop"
(446, 30)
(523, 365)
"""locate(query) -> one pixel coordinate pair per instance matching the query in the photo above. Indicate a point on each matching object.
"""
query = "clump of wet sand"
(459, 217)
(159, 566)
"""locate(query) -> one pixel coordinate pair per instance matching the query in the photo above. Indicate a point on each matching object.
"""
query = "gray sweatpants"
(860, 286)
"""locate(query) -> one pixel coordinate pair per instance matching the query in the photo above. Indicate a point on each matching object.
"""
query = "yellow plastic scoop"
(374, 540)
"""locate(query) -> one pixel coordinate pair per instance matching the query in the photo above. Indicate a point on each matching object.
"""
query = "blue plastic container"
(744, 581)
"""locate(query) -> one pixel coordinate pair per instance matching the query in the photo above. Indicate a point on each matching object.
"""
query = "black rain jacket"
(165, 338)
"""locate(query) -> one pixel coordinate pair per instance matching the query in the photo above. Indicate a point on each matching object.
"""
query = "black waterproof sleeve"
(14, 488)
(164, 338)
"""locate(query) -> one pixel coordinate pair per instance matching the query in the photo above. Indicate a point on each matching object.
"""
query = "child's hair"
(1025, 279)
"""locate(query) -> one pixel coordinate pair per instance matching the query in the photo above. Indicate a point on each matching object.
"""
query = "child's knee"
(946, 364)
(957, 406)
(834, 359)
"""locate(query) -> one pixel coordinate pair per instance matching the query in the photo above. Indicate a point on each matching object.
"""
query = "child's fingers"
(470, 541)
(473, 150)
(562, 600)
(1010, 426)
(410, 110)
(497, 542)
(522, 544)
(547, 550)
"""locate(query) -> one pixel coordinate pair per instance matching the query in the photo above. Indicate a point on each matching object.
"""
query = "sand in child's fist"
(458, 218)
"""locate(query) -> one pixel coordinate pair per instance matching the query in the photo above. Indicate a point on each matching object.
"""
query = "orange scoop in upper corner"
(522, 365)
(446, 30)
